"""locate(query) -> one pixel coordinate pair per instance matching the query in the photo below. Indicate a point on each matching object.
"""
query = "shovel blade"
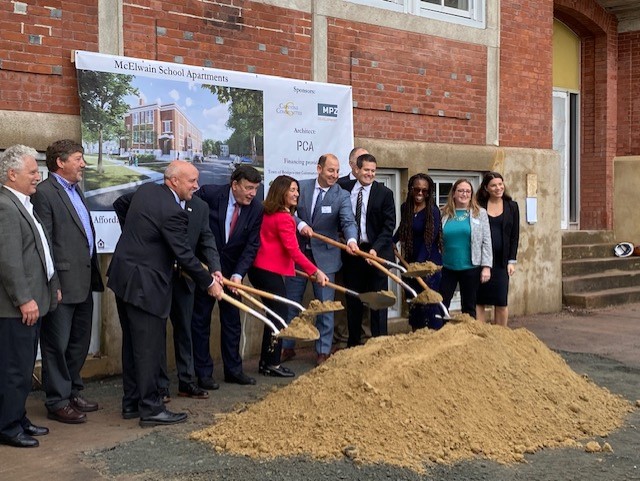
(376, 300)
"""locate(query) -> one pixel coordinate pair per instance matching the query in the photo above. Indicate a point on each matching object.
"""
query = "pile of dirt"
(467, 390)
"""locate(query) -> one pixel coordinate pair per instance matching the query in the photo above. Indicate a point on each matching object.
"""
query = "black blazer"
(236, 255)
(381, 217)
(201, 239)
(153, 238)
(510, 233)
(79, 273)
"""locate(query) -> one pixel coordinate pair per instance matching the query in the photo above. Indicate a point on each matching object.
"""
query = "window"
(465, 12)
(166, 126)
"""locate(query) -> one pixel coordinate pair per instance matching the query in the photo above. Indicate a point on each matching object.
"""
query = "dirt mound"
(469, 389)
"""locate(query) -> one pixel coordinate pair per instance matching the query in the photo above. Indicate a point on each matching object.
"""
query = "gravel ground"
(167, 453)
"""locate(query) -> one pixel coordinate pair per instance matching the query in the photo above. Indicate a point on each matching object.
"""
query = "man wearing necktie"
(29, 289)
(375, 214)
(66, 332)
(235, 217)
(323, 207)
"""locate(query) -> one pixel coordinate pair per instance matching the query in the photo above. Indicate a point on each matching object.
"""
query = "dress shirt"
(363, 214)
(26, 202)
(227, 219)
(80, 208)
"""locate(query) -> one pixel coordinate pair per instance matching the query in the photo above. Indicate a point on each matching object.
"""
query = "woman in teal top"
(466, 246)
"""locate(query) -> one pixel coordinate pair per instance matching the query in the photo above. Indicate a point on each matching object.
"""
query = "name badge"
(325, 209)
(475, 221)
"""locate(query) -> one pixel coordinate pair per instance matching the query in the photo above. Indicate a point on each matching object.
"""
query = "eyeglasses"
(418, 190)
(463, 191)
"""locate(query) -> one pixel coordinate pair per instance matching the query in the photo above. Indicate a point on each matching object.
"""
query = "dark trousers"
(469, 281)
(18, 345)
(230, 332)
(361, 277)
(143, 342)
(180, 315)
(274, 283)
(64, 344)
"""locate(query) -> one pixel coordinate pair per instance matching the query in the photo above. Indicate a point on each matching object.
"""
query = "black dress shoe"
(21, 440)
(164, 418)
(33, 430)
(80, 404)
(130, 413)
(278, 371)
(208, 383)
(192, 391)
(239, 378)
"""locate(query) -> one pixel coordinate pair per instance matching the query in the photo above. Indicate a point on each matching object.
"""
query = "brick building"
(543, 91)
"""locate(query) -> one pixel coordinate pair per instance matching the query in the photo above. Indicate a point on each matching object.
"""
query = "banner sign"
(138, 115)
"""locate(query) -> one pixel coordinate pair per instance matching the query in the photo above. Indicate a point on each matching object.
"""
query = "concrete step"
(586, 251)
(611, 279)
(581, 267)
(604, 298)
(572, 237)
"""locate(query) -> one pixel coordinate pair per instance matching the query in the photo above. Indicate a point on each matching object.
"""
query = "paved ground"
(604, 344)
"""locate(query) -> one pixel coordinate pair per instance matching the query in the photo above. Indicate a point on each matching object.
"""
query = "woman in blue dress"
(420, 237)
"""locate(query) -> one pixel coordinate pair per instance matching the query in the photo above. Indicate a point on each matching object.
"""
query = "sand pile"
(467, 390)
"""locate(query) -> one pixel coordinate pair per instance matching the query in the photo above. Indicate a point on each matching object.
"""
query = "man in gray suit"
(325, 208)
(66, 332)
(28, 290)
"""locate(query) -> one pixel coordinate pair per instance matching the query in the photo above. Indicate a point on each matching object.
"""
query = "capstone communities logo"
(288, 108)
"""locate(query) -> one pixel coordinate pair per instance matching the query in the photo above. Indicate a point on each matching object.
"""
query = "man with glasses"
(235, 217)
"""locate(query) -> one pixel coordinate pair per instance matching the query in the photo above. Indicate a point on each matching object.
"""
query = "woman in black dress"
(420, 236)
(504, 220)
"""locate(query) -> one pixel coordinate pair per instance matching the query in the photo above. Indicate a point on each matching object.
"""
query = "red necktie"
(234, 218)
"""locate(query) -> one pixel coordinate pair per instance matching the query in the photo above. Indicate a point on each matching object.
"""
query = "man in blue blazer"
(237, 242)
(375, 213)
(323, 207)
(66, 332)
(29, 289)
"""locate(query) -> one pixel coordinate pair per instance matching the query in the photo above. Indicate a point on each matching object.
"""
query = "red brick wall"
(36, 73)
(409, 86)
(629, 94)
(526, 73)
(220, 36)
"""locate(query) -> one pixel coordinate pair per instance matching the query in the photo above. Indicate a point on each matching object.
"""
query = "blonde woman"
(466, 246)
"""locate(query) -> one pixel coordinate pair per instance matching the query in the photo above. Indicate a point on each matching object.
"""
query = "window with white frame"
(465, 12)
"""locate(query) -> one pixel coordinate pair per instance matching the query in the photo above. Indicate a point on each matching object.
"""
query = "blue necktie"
(318, 207)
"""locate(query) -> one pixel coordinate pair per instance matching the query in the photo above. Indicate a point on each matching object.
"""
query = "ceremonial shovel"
(375, 300)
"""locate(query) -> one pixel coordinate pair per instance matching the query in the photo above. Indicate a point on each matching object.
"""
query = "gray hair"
(13, 159)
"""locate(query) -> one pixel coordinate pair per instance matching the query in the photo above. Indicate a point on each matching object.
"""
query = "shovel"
(375, 300)
(366, 255)
(298, 331)
(253, 312)
(421, 281)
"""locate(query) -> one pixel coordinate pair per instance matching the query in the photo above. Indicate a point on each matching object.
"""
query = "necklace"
(461, 217)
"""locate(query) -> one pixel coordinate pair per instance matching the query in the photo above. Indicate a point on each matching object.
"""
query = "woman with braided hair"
(420, 236)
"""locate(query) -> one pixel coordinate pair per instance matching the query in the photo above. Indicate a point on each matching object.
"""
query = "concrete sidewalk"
(73, 452)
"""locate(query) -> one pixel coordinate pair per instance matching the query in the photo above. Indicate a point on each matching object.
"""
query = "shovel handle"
(421, 281)
(379, 266)
(337, 287)
(342, 246)
(260, 292)
(245, 295)
(248, 310)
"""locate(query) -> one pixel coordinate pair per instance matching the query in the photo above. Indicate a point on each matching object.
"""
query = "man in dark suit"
(235, 217)
(325, 208)
(203, 244)
(29, 289)
(375, 215)
(353, 157)
(66, 332)
(153, 239)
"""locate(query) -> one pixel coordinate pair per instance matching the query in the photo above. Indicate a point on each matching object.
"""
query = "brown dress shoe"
(321, 358)
(80, 404)
(67, 415)
(287, 355)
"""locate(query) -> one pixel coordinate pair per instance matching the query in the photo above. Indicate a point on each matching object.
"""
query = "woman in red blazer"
(278, 253)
